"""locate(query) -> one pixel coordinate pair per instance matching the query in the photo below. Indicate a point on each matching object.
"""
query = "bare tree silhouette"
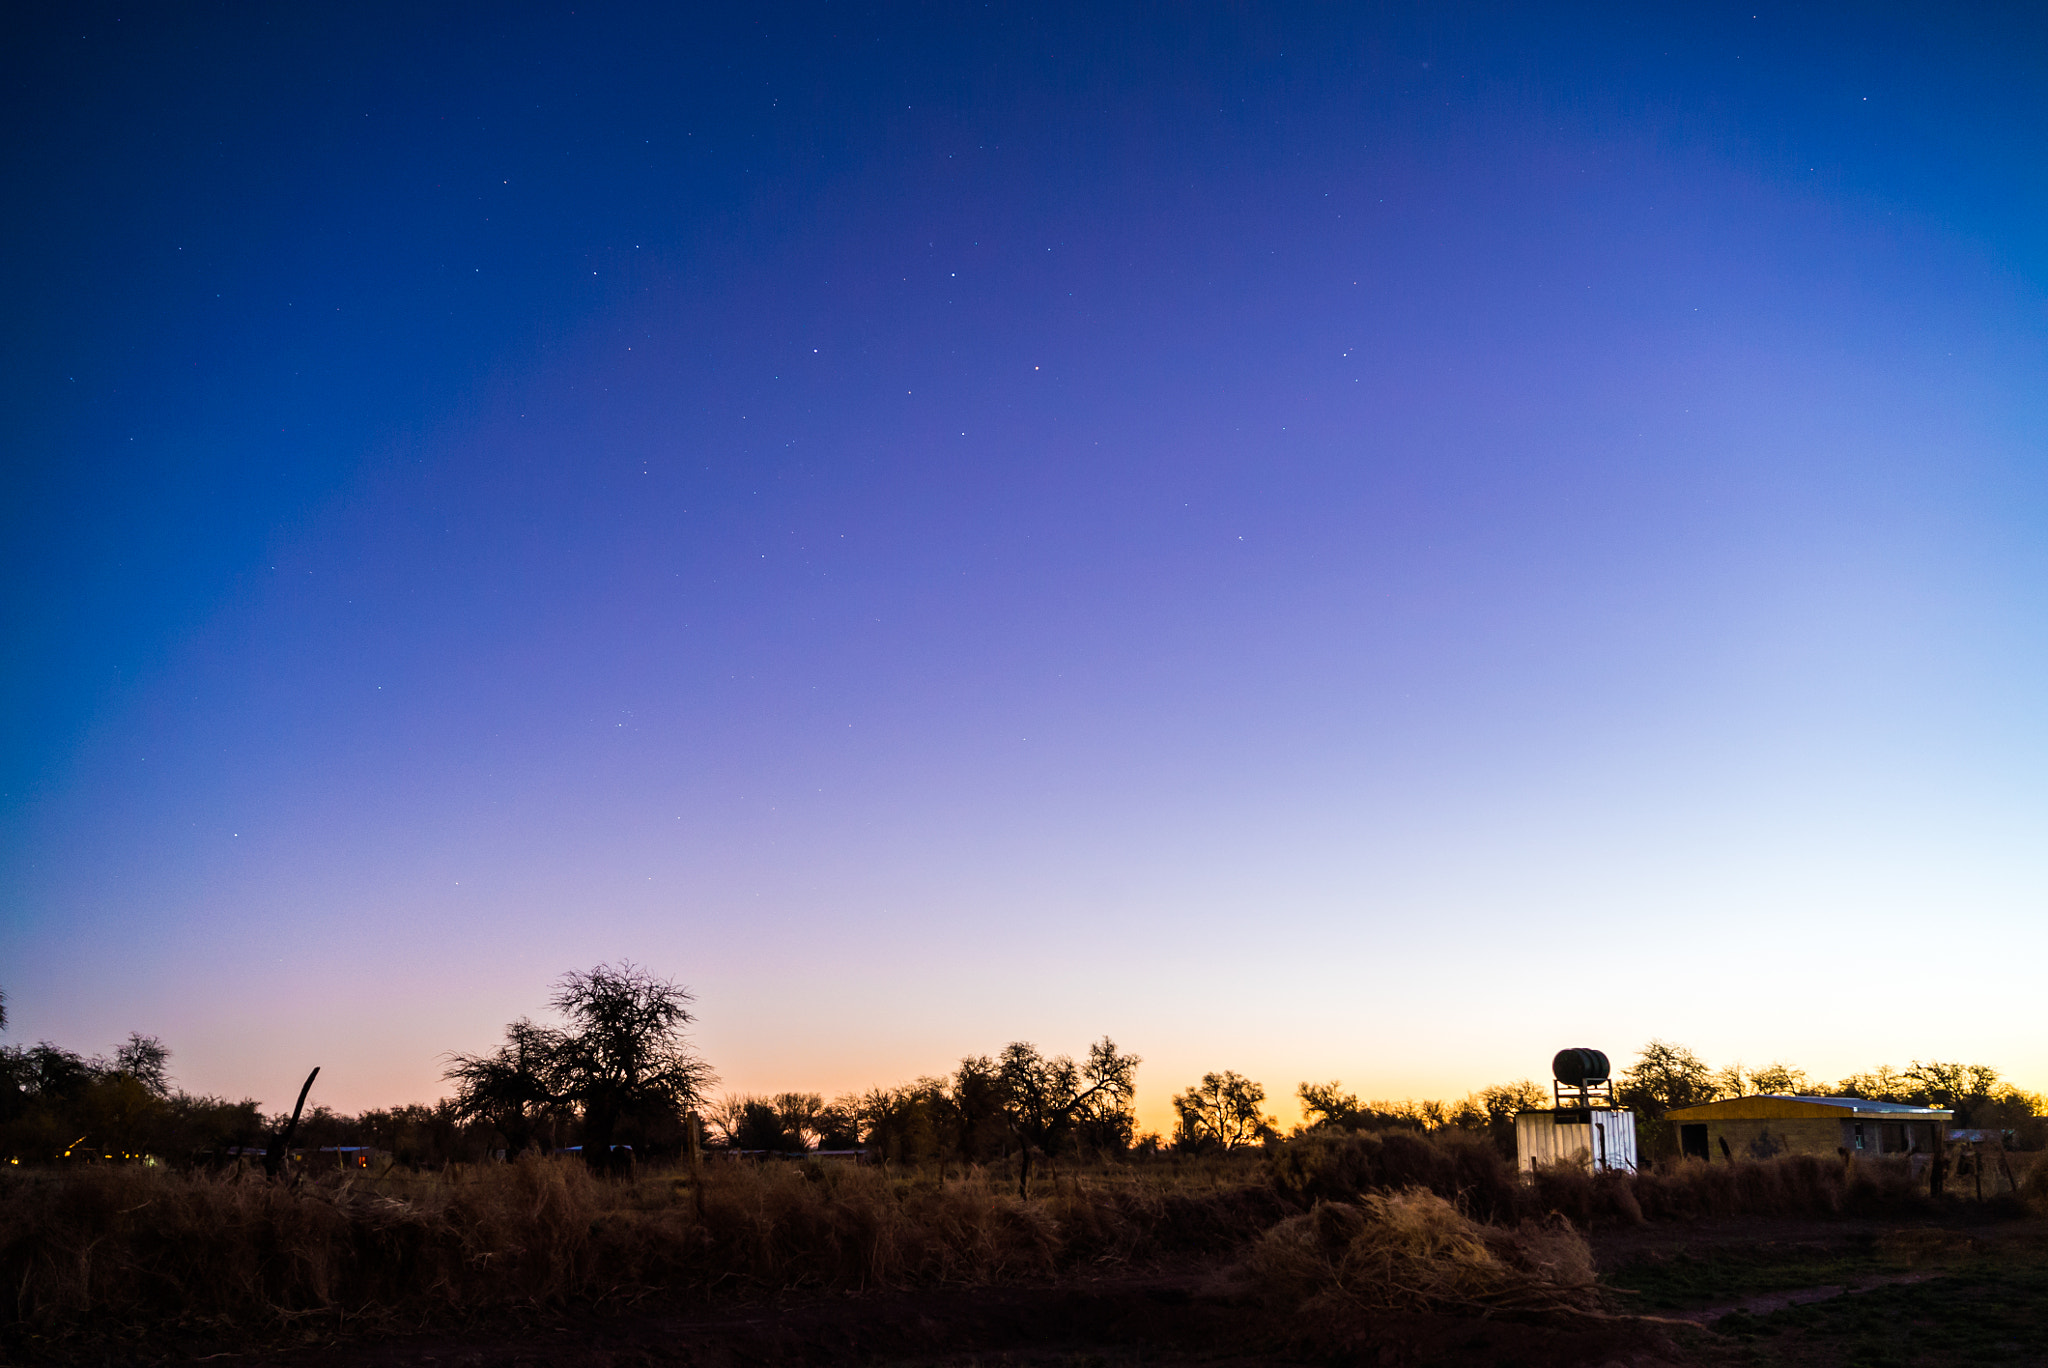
(515, 1087)
(1047, 1098)
(1222, 1112)
(147, 1060)
(624, 1056)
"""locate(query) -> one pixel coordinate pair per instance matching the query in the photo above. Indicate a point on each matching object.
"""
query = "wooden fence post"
(697, 1162)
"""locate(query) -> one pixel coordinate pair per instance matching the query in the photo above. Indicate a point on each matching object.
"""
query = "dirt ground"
(1965, 1289)
(1161, 1319)
(1713, 1294)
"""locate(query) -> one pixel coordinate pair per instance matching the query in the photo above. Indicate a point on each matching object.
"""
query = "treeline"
(56, 1104)
(1021, 1101)
(619, 1073)
(619, 1080)
(1490, 1112)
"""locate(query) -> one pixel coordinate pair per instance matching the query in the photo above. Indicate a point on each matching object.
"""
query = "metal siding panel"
(1540, 1140)
(1618, 1128)
(1532, 1140)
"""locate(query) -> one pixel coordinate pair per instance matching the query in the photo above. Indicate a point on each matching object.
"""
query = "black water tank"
(1578, 1068)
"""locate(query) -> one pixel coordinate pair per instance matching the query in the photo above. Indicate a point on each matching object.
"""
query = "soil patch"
(1172, 1319)
(1803, 1296)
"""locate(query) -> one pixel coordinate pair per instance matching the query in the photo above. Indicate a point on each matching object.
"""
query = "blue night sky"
(1317, 540)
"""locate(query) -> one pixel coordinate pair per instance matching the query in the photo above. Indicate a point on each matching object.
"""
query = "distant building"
(1759, 1127)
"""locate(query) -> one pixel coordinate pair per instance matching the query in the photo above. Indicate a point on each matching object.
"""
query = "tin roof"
(1780, 1106)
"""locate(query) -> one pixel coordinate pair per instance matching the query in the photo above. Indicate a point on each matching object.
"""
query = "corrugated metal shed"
(1596, 1138)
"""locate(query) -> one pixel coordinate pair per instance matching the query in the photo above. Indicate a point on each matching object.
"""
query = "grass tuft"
(1412, 1251)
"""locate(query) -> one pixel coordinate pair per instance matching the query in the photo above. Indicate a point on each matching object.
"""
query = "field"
(1378, 1249)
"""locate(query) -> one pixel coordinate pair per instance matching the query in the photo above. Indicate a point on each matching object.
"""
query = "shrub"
(1586, 1199)
(1790, 1184)
(1339, 1165)
(2033, 1181)
(1414, 1251)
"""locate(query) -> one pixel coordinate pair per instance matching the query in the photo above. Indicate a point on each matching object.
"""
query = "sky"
(1335, 542)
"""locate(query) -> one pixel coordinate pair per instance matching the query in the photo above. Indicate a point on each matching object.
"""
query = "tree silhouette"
(802, 1115)
(1953, 1085)
(839, 1124)
(910, 1123)
(623, 1057)
(787, 1123)
(980, 1107)
(1664, 1078)
(515, 1087)
(1221, 1112)
(1882, 1084)
(1047, 1098)
(1492, 1110)
(1104, 1115)
(1327, 1104)
(146, 1060)
(1779, 1077)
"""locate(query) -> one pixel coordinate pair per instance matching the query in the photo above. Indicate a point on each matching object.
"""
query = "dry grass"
(1413, 1251)
(131, 1246)
(1337, 1165)
(1791, 1184)
(1393, 1220)
(2031, 1170)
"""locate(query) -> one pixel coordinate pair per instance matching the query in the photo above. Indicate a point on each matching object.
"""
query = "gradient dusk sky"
(1328, 541)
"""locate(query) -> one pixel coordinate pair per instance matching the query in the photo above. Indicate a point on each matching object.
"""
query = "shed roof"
(1779, 1107)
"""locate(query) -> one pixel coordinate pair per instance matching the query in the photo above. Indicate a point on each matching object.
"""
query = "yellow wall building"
(1759, 1127)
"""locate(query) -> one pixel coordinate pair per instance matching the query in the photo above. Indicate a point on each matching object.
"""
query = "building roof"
(1779, 1107)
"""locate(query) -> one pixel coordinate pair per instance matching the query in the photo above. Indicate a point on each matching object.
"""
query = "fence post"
(697, 1162)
